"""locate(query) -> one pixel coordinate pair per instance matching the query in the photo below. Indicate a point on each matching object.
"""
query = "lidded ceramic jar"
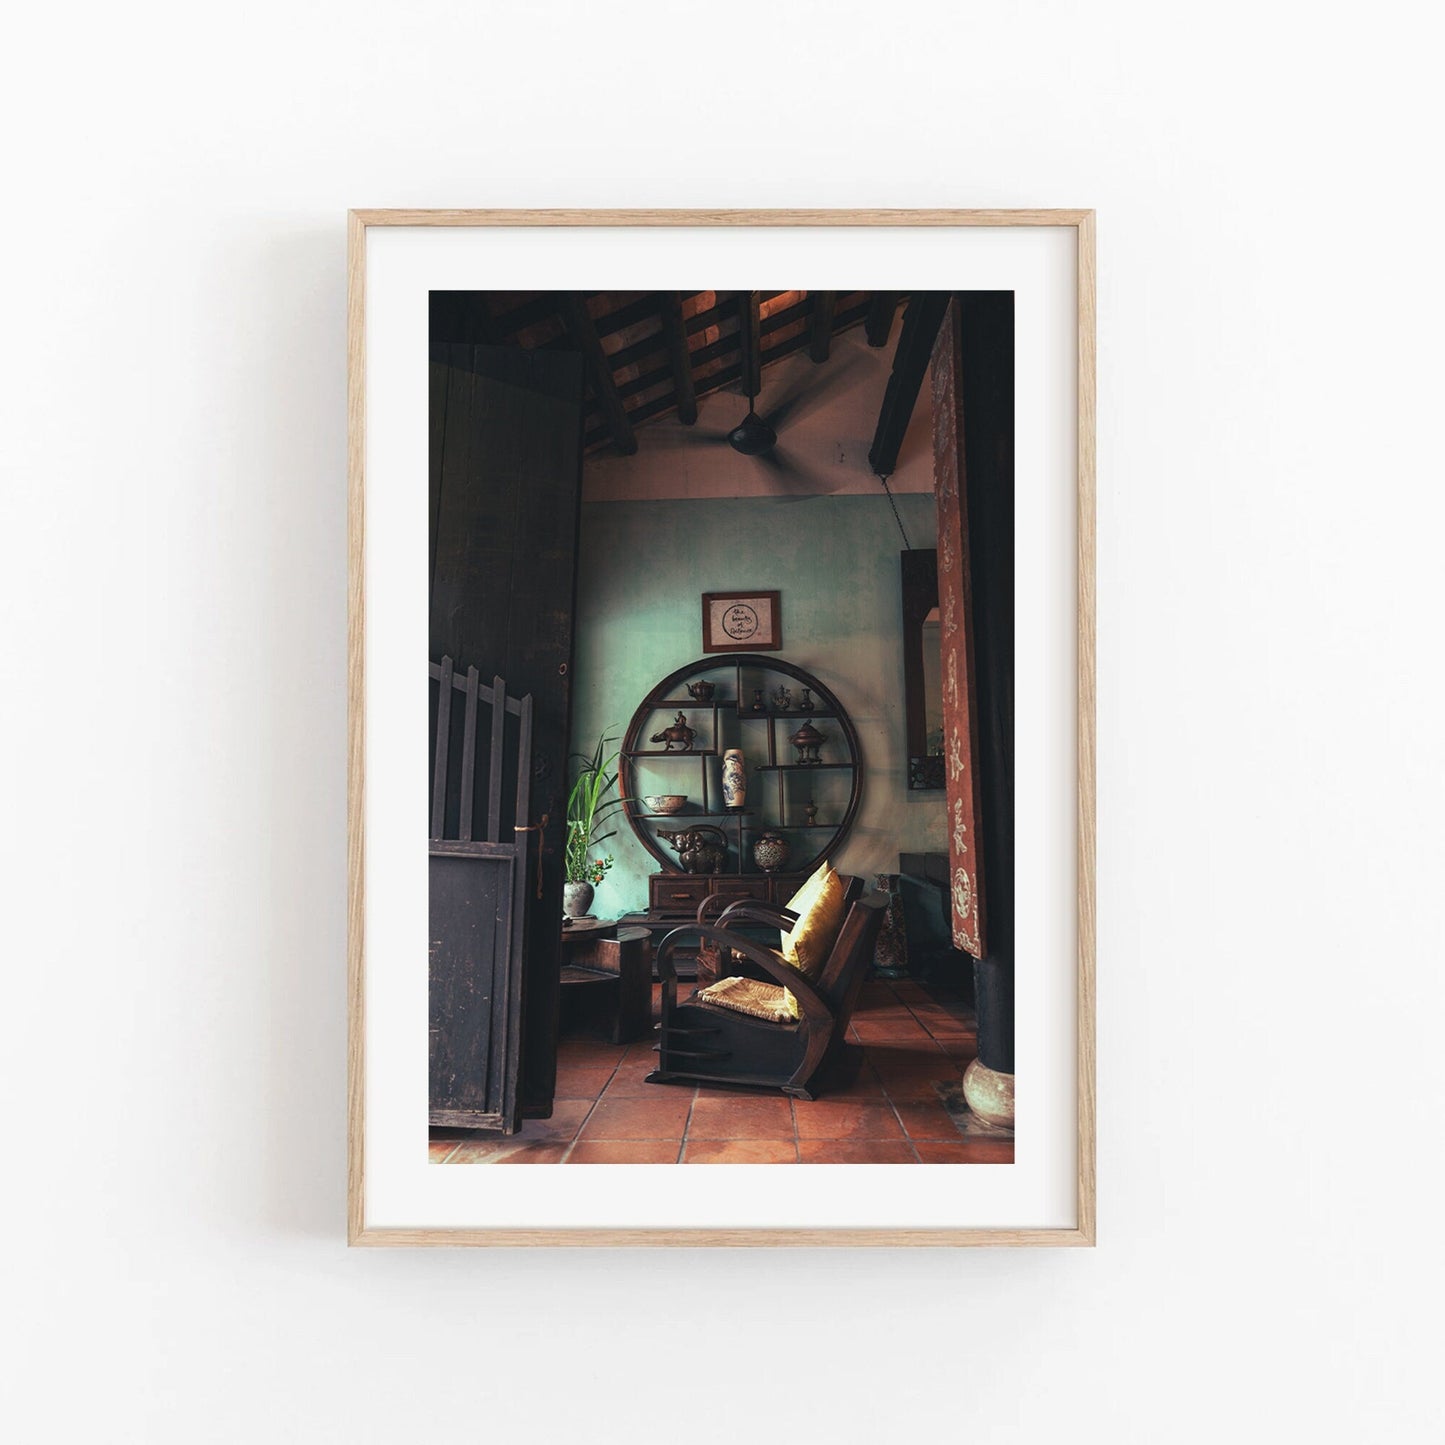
(770, 851)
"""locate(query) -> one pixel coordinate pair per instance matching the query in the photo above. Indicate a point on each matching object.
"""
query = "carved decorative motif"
(960, 719)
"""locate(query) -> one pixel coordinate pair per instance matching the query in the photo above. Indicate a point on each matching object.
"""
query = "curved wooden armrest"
(710, 904)
(749, 910)
(812, 1003)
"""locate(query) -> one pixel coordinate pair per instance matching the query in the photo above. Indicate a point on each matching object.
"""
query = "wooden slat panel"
(469, 756)
(471, 908)
(494, 765)
(439, 767)
(484, 693)
(524, 889)
(524, 763)
(455, 848)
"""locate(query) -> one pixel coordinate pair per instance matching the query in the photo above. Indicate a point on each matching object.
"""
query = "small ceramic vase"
(576, 899)
(734, 779)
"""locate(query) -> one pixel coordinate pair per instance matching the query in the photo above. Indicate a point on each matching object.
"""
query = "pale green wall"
(642, 572)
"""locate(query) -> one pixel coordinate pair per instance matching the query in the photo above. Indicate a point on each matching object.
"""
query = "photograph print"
(720, 783)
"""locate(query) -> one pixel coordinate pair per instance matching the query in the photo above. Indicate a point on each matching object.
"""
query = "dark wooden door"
(480, 874)
(506, 465)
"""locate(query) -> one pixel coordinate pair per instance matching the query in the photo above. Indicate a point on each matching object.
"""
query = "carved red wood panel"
(955, 612)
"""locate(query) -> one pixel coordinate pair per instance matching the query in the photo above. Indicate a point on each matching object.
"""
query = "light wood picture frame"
(365, 1084)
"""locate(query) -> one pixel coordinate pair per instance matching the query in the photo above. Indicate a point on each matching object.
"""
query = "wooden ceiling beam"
(880, 317)
(676, 334)
(573, 309)
(715, 381)
(640, 310)
(910, 364)
(750, 333)
(820, 325)
(715, 315)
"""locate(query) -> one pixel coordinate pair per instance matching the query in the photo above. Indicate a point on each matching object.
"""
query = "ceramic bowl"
(665, 802)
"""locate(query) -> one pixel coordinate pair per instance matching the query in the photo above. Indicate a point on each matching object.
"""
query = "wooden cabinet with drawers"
(680, 894)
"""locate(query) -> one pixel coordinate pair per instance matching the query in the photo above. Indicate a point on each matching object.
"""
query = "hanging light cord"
(908, 546)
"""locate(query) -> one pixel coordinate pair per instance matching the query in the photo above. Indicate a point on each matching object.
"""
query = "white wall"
(172, 595)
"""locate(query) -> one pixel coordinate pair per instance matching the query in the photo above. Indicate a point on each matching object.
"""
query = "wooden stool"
(620, 963)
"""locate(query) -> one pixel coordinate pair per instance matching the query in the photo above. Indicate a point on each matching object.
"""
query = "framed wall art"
(659, 901)
(741, 621)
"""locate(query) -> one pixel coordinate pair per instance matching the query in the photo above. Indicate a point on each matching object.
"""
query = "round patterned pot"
(770, 851)
(577, 899)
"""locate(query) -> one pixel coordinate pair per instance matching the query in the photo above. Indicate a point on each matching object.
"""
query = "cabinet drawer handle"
(682, 895)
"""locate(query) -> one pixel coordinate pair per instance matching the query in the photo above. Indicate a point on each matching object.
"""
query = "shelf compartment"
(747, 712)
(765, 749)
(802, 767)
(736, 813)
(695, 753)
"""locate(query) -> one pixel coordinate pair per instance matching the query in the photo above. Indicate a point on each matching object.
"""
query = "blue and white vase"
(734, 779)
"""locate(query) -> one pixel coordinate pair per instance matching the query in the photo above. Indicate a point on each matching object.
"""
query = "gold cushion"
(752, 996)
(820, 909)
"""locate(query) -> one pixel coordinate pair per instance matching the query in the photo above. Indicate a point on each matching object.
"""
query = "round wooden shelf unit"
(733, 725)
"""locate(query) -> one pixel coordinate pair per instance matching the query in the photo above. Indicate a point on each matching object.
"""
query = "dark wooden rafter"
(880, 317)
(634, 312)
(750, 335)
(725, 377)
(642, 370)
(676, 333)
(910, 364)
(820, 324)
(573, 310)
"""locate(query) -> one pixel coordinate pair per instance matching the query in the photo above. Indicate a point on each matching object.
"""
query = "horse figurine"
(678, 733)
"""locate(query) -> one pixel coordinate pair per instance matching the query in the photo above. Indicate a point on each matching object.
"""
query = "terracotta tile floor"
(915, 1040)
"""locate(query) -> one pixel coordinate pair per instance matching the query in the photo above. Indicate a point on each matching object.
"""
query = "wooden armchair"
(704, 1042)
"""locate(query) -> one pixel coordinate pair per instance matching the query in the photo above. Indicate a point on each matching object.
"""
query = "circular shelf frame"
(671, 693)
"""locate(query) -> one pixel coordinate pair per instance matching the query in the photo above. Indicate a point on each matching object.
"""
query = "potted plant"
(586, 806)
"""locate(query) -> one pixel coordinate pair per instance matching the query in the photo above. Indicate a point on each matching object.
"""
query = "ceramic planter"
(577, 899)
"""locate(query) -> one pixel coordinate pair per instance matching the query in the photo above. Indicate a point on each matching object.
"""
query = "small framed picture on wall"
(741, 622)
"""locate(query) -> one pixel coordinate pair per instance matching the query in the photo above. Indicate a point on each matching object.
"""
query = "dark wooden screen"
(481, 782)
(506, 455)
